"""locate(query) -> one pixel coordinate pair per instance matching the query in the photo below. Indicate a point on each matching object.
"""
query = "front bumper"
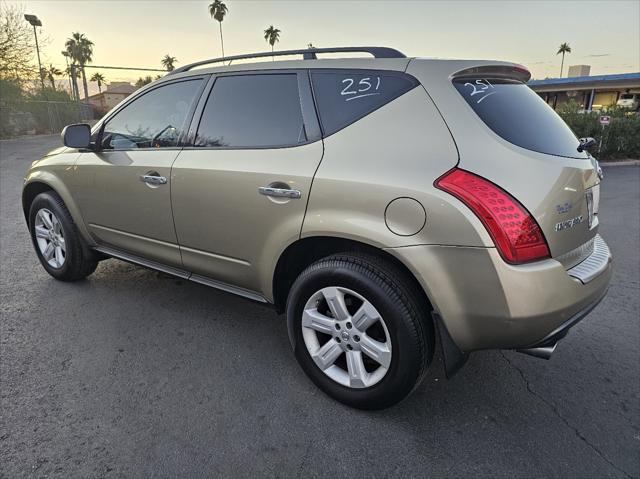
(486, 303)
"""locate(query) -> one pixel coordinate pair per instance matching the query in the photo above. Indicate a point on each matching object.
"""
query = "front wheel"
(359, 329)
(56, 239)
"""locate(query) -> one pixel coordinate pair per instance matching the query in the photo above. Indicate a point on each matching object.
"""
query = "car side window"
(345, 96)
(154, 120)
(252, 111)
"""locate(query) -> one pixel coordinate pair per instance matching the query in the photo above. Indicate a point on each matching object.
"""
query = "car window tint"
(346, 96)
(516, 113)
(245, 111)
(155, 120)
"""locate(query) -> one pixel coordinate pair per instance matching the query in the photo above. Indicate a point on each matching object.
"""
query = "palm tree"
(67, 71)
(564, 48)
(43, 73)
(98, 77)
(218, 10)
(142, 81)
(50, 73)
(168, 62)
(80, 49)
(272, 35)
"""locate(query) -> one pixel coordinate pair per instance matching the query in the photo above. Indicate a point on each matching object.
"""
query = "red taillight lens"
(514, 231)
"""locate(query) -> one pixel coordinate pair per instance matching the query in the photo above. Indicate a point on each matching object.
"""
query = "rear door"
(124, 188)
(239, 193)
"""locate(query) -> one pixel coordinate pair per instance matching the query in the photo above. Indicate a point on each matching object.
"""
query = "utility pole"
(35, 22)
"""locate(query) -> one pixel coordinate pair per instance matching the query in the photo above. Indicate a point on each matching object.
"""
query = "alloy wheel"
(346, 337)
(50, 238)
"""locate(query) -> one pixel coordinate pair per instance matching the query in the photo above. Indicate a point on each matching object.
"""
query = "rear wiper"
(586, 143)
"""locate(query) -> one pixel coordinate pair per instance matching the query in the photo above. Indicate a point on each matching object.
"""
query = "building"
(591, 92)
(111, 96)
(579, 70)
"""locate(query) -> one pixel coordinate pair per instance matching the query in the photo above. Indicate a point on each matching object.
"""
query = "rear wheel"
(59, 246)
(359, 330)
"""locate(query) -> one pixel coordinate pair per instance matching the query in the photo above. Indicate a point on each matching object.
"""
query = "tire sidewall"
(406, 366)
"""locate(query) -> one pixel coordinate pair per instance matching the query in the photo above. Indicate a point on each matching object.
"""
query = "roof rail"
(307, 53)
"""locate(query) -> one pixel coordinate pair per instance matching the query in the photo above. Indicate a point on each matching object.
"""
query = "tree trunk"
(562, 65)
(272, 57)
(221, 40)
(99, 87)
(84, 84)
(74, 80)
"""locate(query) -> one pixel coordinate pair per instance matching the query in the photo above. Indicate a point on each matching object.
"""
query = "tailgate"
(507, 134)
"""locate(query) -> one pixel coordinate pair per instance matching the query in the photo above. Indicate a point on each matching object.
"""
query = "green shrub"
(620, 139)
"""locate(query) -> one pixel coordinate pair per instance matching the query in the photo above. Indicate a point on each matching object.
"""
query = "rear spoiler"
(511, 72)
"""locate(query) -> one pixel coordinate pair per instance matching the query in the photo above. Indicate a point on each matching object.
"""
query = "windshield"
(516, 113)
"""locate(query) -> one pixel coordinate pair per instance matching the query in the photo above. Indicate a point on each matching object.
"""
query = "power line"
(123, 68)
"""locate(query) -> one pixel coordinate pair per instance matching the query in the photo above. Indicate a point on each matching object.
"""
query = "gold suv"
(382, 203)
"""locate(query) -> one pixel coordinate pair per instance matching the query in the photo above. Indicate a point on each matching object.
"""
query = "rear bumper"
(551, 339)
(486, 303)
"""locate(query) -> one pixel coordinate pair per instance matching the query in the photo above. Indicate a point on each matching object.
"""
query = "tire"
(403, 332)
(71, 259)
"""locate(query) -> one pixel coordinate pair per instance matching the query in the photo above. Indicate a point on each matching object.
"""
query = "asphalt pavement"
(132, 373)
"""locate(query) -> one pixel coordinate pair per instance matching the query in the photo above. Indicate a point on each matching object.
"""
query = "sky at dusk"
(603, 34)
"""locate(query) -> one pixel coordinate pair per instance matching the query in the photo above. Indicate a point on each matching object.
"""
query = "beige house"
(114, 94)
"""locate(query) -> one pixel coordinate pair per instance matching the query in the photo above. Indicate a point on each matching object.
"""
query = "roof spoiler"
(307, 54)
(515, 72)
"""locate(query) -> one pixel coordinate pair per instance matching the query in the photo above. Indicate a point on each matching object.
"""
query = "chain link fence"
(41, 117)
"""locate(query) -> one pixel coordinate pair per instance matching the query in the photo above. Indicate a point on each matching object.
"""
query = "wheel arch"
(305, 251)
(41, 182)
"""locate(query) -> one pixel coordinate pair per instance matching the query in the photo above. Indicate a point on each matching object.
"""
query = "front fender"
(55, 178)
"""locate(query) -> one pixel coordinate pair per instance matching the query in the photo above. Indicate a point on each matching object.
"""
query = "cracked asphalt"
(132, 373)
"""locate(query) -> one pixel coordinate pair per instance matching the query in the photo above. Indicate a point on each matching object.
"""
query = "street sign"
(605, 120)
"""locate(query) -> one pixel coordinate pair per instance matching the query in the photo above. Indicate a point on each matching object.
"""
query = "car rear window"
(516, 113)
(345, 96)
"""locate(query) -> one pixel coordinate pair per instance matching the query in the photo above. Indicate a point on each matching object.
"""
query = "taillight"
(515, 232)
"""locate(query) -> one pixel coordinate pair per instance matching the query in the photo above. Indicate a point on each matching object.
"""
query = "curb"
(606, 164)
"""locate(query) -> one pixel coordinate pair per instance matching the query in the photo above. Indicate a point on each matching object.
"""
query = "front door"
(239, 194)
(124, 187)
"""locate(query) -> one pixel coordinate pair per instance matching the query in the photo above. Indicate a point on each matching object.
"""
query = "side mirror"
(77, 136)
(586, 143)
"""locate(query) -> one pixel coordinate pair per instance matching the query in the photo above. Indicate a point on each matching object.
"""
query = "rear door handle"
(279, 192)
(153, 179)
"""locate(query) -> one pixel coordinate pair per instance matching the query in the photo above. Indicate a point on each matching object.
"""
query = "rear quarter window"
(345, 96)
(517, 114)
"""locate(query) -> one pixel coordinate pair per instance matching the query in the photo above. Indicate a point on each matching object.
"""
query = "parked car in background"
(630, 101)
(384, 204)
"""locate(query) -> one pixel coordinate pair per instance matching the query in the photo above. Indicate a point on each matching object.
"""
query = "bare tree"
(17, 46)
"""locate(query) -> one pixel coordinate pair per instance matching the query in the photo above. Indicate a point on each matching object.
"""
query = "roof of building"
(121, 88)
(586, 79)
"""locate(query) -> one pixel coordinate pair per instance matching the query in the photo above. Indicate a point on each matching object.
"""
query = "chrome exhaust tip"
(543, 352)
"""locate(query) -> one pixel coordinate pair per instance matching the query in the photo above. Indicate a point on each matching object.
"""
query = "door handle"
(153, 179)
(279, 192)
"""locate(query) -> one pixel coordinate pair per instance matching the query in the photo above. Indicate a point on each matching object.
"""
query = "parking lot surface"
(132, 373)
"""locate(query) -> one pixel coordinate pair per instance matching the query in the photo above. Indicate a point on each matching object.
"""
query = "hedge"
(620, 139)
